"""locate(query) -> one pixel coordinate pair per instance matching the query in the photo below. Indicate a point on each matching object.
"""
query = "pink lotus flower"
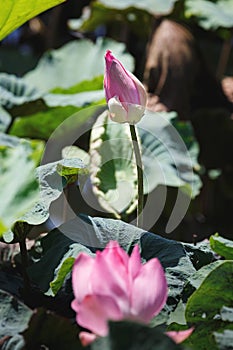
(114, 286)
(179, 337)
(125, 94)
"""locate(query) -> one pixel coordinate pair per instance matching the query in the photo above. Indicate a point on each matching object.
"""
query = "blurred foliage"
(18, 190)
(211, 15)
(139, 20)
(73, 63)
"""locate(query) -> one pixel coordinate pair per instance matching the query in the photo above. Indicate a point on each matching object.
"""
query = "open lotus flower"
(125, 94)
(114, 286)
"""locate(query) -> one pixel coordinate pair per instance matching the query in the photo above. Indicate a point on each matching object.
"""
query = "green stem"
(24, 261)
(65, 203)
(138, 159)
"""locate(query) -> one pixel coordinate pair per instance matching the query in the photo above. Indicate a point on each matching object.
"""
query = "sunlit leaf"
(86, 85)
(222, 246)
(16, 12)
(15, 91)
(77, 100)
(19, 189)
(42, 124)
(169, 152)
(112, 166)
(5, 119)
(65, 268)
(37, 114)
(169, 156)
(156, 7)
(51, 184)
(76, 152)
(75, 62)
(211, 15)
(227, 314)
(70, 167)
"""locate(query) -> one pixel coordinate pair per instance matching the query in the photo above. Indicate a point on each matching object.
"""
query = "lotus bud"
(125, 94)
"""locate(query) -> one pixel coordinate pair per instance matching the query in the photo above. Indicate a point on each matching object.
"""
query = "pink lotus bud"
(125, 94)
(114, 286)
(179, 337)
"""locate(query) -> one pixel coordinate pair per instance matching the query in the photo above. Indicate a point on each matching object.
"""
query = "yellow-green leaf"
(16, 12)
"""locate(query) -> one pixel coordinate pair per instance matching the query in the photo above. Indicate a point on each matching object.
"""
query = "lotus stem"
(138, 159)
(24, 261)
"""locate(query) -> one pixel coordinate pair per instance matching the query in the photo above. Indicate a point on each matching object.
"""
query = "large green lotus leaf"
(50, 178)
(14, 315)
(44, 111)
(5, 119)
(222, 246)
(42, 124)
(23, 99)
(19, 189)
(76, 152)
(155, 7)
(18, 97)
(70, 167)
(33, 148)
(204, 262)
(169, 156)
(56, 251)
(195, 280)
(15, 91)
(95, 83)
(181, 262)
(205, 306)
(16, 12)
(70, 239)
(65, 266)
(75, 62)
(36, 114)
(211, 15)
(227, 314)
(92, 233)
(112, 167)
(169, 152)
(77, 100)
(10, 141)
(200, 254)
(224, 340)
